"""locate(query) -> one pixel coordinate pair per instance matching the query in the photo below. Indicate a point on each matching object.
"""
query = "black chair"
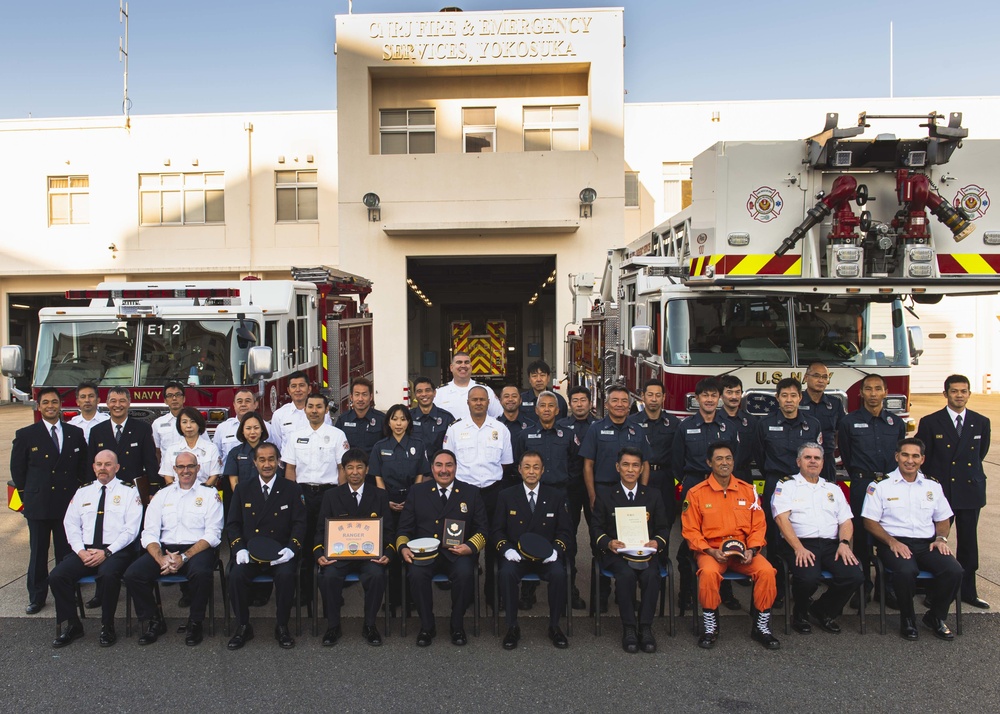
(86, 580)
(666, 588)
(530, 578)
(295, 600)
(349, 579)
(825, 577)
(172, 579)
(885, 572)
(439, 578)
(728, 575)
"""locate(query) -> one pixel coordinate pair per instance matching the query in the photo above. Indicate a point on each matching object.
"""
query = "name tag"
(512, 513)
(550, 515)
(84, 505)
(892, 498)
(776, 428)
(741, 502)
(350, 424)
(539, 436)
(977, 436)
(860, 426)
(78, 448)
(167, 426)
(694, 431)
(283, 507)
(465, 436)
(416, 423)
(385, 452)
(607, 432)
(302, 440)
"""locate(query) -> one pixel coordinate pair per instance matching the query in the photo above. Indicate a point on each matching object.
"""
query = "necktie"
(958, 425)
(55, 438)
(357, 497)
(99, 521)
(631, 497)
(266, 491)
(531, 501)
(118, 432)
(444, 497)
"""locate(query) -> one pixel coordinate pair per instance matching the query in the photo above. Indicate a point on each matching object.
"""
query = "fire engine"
(792, 252)
(213, 336)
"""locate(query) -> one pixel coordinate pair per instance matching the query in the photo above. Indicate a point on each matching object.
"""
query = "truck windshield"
(723, 330)
(205, 352)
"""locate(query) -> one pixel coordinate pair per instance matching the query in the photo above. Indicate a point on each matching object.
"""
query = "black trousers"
(773, 534)
(313, 500)
(331, 586)
(284, 575)
(490, 494)
(862, 551)
(40, 532)
(62, 581)
(805, 579)
(579, 504)
(946, 569)
(627, 581)
(143, 573)
(553, 573)
(684, 573)
(967, 551)
(461, 573)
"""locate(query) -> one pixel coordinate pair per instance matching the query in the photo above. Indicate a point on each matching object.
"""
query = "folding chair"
(885, 572)
(295, 600)
(825, 577)
(350, 578)
(439, 578)
(728, 575)
(531, 578)
(666, 571)
(171, 579)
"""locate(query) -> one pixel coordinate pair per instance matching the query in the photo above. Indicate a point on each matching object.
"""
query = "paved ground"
(813, 673)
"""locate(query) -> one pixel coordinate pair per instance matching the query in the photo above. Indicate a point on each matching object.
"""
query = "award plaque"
(353, 538)
(632, 528)
(454, 532)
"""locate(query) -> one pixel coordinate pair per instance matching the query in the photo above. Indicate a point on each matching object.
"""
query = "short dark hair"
(87, 385)
(716, 445)
(730, 381)
(911, 441)
(363, 382)
(192, 414)
(120, 390)
(249, 390)
(424, 380)
(49, 390)
(653, 383)
(578, 389)
(299, 374)
(539, 366)
(630, 451)
(319, 395)
(788, 383)
(447, 452)
(354, 455)
(512, 386)
(956, 379)
(613, 389)
(390, 412)
(173, 384)
(707, 384)
(240, 437)
(875, 376)
(530, 452)
(267, 445)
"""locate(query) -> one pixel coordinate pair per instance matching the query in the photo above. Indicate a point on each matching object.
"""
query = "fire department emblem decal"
(973, 200)
(765, 204)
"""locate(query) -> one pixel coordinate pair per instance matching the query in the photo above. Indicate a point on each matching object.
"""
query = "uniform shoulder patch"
(931, 478)
(128, 483)
(685, 506)
(879, 479)
(787, 478)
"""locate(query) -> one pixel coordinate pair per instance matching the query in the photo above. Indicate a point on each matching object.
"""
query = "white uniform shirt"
(79, 421)
(455, 399)
(285, 421)
(815, 510)
(165, 432)
(181, 517)
(209, 463)
(225, 437)
(122, 515)
(481, 452)
(906, 510)
(316, 454)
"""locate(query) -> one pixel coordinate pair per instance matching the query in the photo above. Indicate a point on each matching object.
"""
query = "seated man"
(907, 514)
(815, 522)
(101, 523)
(271, 508)
(541, 510)
(428, 504)
(631, 571)
(183, 528)
(710, 517)
(353, 499)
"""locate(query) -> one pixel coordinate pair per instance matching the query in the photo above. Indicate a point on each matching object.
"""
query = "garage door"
(949, 343)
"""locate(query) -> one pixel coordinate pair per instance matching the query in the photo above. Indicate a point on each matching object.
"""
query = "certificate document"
(632, 528)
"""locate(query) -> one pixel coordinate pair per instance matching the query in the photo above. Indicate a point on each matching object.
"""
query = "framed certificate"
(632, 528)
(353, 538)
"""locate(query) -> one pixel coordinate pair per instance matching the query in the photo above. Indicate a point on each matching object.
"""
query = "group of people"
(512, 477)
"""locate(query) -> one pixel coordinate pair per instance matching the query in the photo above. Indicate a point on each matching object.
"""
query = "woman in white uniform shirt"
(191, 427)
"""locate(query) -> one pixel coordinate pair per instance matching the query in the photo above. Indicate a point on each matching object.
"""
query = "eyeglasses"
(186, 467)
(175, 395)
(815, 375)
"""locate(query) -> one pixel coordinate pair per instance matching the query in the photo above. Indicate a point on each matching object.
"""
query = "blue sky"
(60, 57)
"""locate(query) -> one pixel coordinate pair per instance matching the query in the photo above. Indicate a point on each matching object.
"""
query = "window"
(302, 328)
(295, 193)
(676, 187)
(271, 340)
(406, 131)
(181, 199)
(479, 130)
(631, 189)
(552, 128)
(69, 200)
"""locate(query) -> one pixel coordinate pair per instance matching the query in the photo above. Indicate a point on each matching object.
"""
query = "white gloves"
(242, 557)
(513, 556)
(284, 555)
(552, 558)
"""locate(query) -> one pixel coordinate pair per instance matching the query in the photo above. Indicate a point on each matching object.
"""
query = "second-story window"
(69, 200)
(552, 128)
(479, 129)
(295, 196)
(181, 199)
(406, 131)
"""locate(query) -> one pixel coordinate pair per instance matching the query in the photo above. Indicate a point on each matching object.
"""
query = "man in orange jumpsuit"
(718, 509)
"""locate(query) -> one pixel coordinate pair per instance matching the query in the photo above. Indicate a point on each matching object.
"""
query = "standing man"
(354, 499)
(659, 429)
(825, 409)
(48, 463)
(272, 508)
(244, 402)
(131, 440)
(165, 427)
(908, 515)
(957, 440)
(516, 422)
(182, 531)
(102, 522)
(291, 417)
(815, 523)
(580, 419)
(868, 437)
(430, 422)
(454, 396)
(362, 423)
(535, 508)
(87, 399)
(744, 421)
(428, 505)
(539, 374)
(482, 450)
(722, 509)
(632, 571)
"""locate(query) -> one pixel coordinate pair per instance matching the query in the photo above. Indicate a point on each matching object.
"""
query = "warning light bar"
(152, 293)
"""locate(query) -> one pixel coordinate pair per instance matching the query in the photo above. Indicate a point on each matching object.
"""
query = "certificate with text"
(353, 538)
(632, 528)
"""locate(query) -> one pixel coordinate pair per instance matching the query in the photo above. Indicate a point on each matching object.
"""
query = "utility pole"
(123, 57)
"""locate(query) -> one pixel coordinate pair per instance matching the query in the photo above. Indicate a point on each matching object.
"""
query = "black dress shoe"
(976, 602)
(34, 608)
(371, 635)
(630, 641)
(938, 627)
(71, 631)
(93, 603)
(184, 602)
(558, 638)
(154, 629)
(193, 634)
(684, 602)
(259, 601)
(512, 637)
(801, 624)
(856, 603)
(425, 637)
(647, 643)
(769, 641)
(108, 636)
(578, 602)
(779, 602)
(458, 637)
(284, 637)
(732, 603)
(331, 636)
(707, 640)
(890, 600)
(244, 633)
(825, 622)
(525, 601)
(908, 628)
